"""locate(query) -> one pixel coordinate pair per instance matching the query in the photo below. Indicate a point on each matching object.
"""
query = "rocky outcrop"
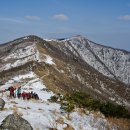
(15, 122)
(2, 104)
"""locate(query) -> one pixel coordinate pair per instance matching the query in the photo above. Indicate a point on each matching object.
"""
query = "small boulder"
(15, 122)
(2, 104)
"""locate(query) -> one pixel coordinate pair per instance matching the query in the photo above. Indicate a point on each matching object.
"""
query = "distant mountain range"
(73, 64)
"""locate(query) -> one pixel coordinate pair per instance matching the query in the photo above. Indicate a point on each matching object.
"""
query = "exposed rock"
(15, 122)
(2, 104)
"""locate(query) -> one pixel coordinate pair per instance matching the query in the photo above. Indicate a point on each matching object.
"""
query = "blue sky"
(103, 21)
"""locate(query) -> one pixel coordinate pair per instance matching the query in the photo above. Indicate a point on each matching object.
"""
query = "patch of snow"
(25, 38)
(28, 75)
(49, 60)
(86, 122)
(112, 99)
(48, 40)
(97, 91)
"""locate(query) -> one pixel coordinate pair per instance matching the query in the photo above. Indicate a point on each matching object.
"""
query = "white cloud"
(14, 20)
(125, 17)
(34, 18)
(61, 17)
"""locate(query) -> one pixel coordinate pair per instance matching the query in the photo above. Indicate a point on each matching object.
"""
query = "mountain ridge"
(63, 67)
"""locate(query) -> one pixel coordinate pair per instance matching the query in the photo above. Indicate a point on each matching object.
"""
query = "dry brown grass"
(68, 127)
(98, 114)
(13, 102)
(82, 111)
(15, 111)
(23, 108)
(56, 80)
(4, 109)
(122, 124)
(60, 120)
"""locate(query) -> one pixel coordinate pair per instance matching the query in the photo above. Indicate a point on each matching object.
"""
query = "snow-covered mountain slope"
(21, 54)
(43, 114)
(68, 65)
(111, 62)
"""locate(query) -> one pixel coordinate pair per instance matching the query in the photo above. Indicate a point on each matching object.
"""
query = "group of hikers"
(16, 92)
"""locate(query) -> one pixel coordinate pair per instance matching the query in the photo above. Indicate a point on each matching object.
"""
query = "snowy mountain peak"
(111, 62)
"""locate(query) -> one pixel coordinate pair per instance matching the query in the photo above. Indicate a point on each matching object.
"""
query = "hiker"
(36, 96)
(19, 92)
(32, 94)
(11, 89)
(28, 96)
(24, 95)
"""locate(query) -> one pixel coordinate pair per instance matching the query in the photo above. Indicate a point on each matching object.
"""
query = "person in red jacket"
(11, 91)
(24, 95)
(27, 96)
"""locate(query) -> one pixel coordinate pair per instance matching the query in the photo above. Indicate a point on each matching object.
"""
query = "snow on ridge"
(21, 56)
(48, 60)
(116, 60)
(25, 38)
(21, 53)
(21, 77)
(108, 61)
(42, 114)
(85, 53)
(48, 40)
